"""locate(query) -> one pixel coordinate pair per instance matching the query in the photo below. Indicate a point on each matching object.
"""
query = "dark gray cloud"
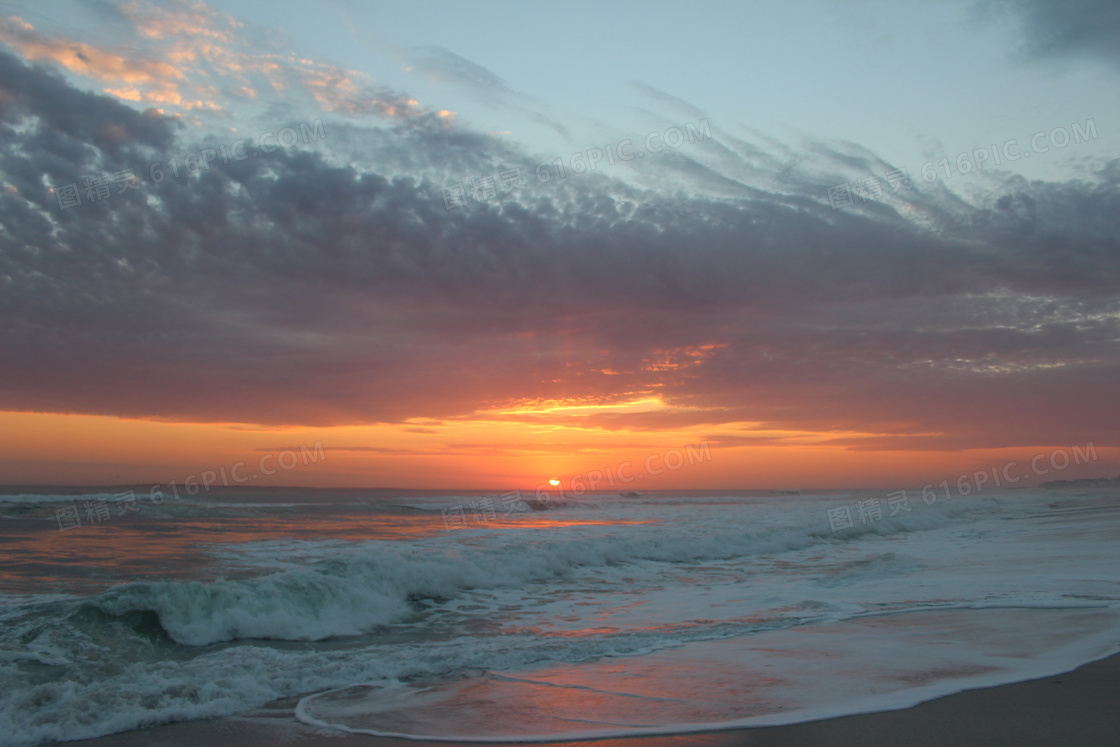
(73, 120)
(1070, 28)
(331, 285)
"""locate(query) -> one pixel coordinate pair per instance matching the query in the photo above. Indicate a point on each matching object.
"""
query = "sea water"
(483, 616)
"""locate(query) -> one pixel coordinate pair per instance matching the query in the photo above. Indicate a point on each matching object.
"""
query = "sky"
(479, 245)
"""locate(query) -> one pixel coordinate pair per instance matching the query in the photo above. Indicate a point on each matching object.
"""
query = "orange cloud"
(157, 80)
(181, 19)
(189, 45)
(195, 33)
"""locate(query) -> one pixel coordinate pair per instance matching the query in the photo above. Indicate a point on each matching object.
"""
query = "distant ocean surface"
(479, 616)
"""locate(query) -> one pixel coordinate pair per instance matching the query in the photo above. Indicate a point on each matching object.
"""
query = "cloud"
(1079, 28)
(331, 285)
(444, 66)
(188, 57)
(159, 81)
(441, 64)
(661, 97)
(71, 123)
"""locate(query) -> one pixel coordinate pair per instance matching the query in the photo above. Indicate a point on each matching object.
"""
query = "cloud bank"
(329, 284)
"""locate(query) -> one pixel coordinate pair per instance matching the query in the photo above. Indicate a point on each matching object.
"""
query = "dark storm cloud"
(1077, 28)
(74, 118)
(331, 285)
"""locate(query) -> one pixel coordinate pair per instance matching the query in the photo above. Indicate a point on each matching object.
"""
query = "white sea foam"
(33, 498)
(354, 592)
(624, 581)
(773, 677)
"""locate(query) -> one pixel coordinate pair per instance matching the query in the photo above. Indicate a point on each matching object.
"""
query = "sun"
(554, 482)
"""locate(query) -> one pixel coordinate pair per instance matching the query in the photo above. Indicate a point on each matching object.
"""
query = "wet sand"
(1081, 707)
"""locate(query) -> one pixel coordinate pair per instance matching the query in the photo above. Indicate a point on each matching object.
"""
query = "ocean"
(485, 616)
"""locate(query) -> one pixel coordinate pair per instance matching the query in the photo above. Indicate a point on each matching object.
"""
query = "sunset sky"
(844, 244)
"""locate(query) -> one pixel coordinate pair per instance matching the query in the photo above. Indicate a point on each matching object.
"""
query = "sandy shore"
(1081, 707)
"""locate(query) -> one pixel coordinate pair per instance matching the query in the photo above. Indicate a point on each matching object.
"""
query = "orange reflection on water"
(37, 557)
(542, 523)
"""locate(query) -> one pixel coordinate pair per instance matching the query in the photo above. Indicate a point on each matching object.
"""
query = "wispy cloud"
(332, 286)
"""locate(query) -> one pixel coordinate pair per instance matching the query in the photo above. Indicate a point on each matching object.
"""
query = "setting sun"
(297, 308)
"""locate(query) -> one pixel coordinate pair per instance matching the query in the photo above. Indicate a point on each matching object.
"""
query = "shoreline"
(1080, 707)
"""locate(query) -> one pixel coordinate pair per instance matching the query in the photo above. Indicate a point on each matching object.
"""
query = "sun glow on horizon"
(485, 453)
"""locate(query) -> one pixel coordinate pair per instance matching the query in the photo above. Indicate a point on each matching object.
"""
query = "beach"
(440, 373)
(1081, 707)
(297, 617)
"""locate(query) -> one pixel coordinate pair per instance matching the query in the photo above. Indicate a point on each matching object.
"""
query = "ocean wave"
(480, 599)
(359, 590)
(32, 498)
